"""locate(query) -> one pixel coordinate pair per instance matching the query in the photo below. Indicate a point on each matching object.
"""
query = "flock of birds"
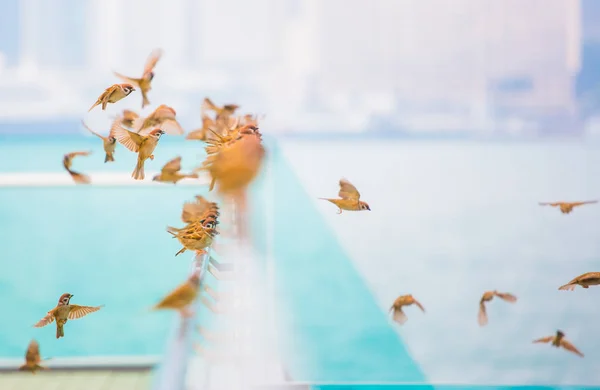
(234, 156)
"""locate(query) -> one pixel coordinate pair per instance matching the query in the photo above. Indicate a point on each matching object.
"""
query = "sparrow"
(350, 198)
(488, 296)
(181, 297)
(396, 308)
(196, 236)
(32, 358)
(78, 178)
(170, 172)
(163, 117)
(143, 145)
(585, 280)
(202, 133)
(127, 118)
(109, 143)
(144, 82)
(113, 94)
(559, 341)
(225, 111)
(567, 207)
(65, 311)
(200, 208)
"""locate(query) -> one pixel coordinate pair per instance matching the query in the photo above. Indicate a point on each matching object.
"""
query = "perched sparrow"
(350, 198)
(396, 308)
(79, 178)
(204, 132)
(488, 296)
(113, 94)
(196, 236)
(180, 298)
(32, 358)
(143, 145)
(195, 211)
(170, 172)
(559, 341)
(144, 83)
(567, 207)
(65, 311)
(585, 280)
(128, 117)
(225, 111)
(163, 117)
(109, 143)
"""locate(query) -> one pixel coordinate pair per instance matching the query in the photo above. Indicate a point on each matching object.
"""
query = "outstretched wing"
(554, 204)
(172, 166)
(507, 297)
(570, 347)
(171, 127)
(129, 139)
(399, 316)
(78, 311)
(47, 320)
(82, 153)
(130, 80)
(348, 191)
(419, 305)
(91, 131)
(544, 339)
(482, 317)
(152, 60)
(574, 204)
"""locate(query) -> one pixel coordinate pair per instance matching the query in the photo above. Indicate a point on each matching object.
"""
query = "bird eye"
(210, 225)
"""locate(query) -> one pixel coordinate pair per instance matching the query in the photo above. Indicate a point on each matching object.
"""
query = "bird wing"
(399, 316)
(574, 204)
(207, 122)
(569, 286)
(570, 347)
(33, 352)
(548, 204)
(152, 60)
(171, 127)
(419, 305)
(172, 166)
(482, 317)
(91, 131)
(207, 104)
(193, 210)
(544, 339)
(47, 320)
(78, 311)
(129, 139)
(131, 80)
(506, 297)
(82, 153)
(348, 191)
(181, 296)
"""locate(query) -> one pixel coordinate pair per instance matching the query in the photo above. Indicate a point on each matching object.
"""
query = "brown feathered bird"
(585, 280)
(127, 118)
(32, 358)
(349, 198)
(65, 311)
(78, 178)
(396, 308)
(143, 145)
(113, 94)
(559, 341)
(224, 111)
(109, 143)
(170, 172)
(199, 209)
(487, 296)
(163, 117)
(144, 83)
(202, 133)
(196, 236)
(567, 207)
(181, 297)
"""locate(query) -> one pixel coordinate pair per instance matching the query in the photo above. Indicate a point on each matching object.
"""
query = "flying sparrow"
(170, 172)
(32, 358)
(195, 211)
(350, 198)
(144, 82)
(163, 117)
(225, 111)
(143, 145)
(128, 117)
(488, 296)
(181, 297)
(585, 280)
(196, 236)
(203, 133)
(559, 341)
(65, 311)
(78, 178)
(396, 308)
(113, 94)
(109, 143)
(567, 207)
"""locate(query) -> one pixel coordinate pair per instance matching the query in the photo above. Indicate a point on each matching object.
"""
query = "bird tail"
(327, 199)
(180, 251)
(567, 287)
(145, 101)
(109, 157)
(482, 317)
(93, 105)
(79, 178)
(138, 172)
(172, 230)
(60, 330)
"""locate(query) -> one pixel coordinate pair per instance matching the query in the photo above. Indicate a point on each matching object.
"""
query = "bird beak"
(71, 296)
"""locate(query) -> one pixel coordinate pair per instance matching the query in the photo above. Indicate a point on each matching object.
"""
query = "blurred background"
(453, 118)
